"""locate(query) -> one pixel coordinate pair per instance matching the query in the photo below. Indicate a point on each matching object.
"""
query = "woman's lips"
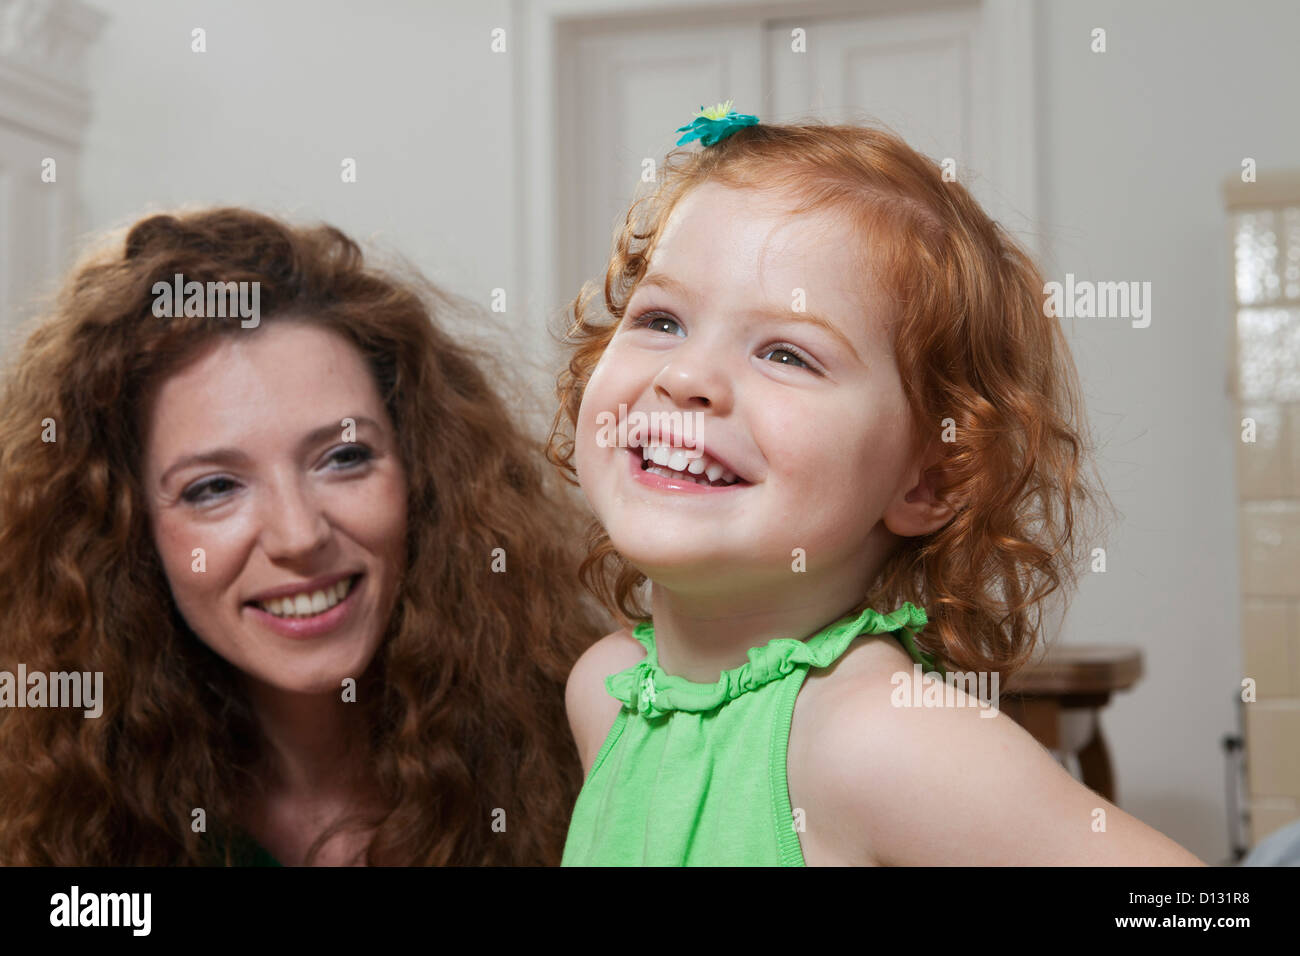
(648, 479)
(317, 625)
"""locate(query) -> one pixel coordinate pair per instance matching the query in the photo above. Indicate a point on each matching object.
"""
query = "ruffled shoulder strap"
(647, 689)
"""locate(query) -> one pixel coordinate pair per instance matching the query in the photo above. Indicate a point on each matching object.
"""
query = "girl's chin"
(693, 560)
(670, 550)
(674, 565)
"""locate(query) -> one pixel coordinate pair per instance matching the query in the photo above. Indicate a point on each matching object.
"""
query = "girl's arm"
(943, 786)
(590, 708)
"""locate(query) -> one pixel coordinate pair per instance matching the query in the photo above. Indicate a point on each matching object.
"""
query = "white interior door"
(627, 89)
(44, 106)
(950, 80)
(37, 219)
(912, 73)
(931, 77)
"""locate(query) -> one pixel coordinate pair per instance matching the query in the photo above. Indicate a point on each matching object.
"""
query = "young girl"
(842, 417)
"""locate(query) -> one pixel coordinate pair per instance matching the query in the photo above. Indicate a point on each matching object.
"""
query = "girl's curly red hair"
(464, 701)
(973, 345)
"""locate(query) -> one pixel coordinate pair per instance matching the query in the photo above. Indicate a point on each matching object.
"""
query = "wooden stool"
(1058, 700)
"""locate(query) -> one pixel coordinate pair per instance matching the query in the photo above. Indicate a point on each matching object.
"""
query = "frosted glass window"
(1256, 254)
(1268, 354)
(1291, 262)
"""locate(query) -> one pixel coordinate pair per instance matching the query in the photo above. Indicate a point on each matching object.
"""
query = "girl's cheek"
(582, 433)
(595, 399)
(601, 375)
(586, 419)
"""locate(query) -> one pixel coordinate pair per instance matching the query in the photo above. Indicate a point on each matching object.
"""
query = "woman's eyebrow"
(223, 456)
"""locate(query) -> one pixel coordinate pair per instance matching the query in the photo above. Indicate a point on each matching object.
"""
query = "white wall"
(1135, 143)
(289, 88)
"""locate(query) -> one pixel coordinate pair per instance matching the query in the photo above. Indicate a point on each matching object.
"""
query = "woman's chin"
(328, 689)
(335, 679)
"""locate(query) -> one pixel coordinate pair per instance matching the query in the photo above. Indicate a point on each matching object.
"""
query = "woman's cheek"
(177, 544)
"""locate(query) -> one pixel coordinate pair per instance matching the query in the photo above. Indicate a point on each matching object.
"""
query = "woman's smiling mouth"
(303, 616)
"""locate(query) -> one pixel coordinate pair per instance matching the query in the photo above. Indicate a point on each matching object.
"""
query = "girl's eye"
(785, 353)
(789, 355)
(195, 494)
(657, 322)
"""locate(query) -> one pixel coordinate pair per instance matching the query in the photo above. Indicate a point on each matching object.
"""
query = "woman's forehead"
(278, 372)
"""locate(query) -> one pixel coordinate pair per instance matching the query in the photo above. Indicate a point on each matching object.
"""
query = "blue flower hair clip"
(714, 124)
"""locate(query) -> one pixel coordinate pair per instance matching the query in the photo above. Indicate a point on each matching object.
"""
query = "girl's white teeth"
(307, 604)
(681, 461)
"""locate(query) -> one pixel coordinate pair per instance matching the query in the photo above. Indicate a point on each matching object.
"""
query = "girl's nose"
(690, 379)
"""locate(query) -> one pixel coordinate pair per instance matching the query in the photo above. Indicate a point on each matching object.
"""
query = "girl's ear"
(916, 510)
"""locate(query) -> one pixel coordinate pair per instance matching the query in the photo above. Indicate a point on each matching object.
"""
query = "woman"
(330, 594)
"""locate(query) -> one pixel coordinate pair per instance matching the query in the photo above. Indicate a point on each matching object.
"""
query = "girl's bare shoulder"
(958, 783)
(591, 708)
(829, 712)
(868, 665)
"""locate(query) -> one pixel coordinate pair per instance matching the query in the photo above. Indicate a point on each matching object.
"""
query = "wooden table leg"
(1094, 765)
(1038, 715)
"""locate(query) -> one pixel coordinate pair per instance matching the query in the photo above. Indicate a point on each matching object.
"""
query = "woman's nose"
(293, 523)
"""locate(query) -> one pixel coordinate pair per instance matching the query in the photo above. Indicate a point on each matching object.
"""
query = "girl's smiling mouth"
(665, 468)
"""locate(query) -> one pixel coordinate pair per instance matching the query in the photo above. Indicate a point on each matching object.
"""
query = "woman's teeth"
(308, 604)
(669, 462)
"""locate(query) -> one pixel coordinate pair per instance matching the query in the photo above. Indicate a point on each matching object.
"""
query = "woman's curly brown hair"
(466, 713)
(973, 345)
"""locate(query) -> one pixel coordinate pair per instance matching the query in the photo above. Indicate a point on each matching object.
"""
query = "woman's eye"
(346, 458)
(197, 494)
(657, 322)
(351, 456)
(788, 356)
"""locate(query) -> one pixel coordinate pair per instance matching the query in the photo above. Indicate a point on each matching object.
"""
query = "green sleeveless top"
(694, 774)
